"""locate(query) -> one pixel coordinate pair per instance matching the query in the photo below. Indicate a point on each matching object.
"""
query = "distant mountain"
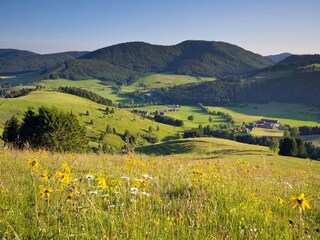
(17, 61)
(301, 59)
(4, 53)
(278, 57)
(198, 58)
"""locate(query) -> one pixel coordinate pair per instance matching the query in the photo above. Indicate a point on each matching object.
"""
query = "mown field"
(292, 114)
(238, 192)
(120, 119)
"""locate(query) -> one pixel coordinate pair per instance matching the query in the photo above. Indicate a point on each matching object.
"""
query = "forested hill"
(17, 61)
(15, 53)
(300, 59)
(278, 57)
(281, 83)
(205, 58)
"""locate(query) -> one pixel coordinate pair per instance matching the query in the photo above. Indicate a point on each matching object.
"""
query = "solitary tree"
(210, 119)
(274, 145)
(108, 129)
(191, 117)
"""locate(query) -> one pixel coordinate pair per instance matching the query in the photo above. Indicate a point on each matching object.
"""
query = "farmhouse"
(267, 123)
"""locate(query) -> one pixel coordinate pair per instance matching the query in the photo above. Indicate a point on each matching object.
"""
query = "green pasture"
(93, 85)
(163, 80)
(292, 114)
(121, 119)
(228, 151)
(183, 112)
(260, 132)
(271, 74)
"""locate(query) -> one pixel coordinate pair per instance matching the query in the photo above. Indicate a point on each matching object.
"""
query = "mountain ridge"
(190, 57)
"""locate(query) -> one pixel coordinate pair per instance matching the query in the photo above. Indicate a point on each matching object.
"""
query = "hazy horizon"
(264, 27)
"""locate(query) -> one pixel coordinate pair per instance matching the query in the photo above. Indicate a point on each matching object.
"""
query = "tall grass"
(44, 195)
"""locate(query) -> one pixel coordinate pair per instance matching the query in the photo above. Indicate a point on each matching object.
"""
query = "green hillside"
(226, 150)
(89, 68)
(197, 58)
(300, 59)
(162, 80)
(17, 62)
(292, 114)
(120, 119)
(288, 84)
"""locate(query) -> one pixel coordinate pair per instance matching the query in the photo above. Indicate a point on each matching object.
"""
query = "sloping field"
(164, 80)
(120, 120)
(227, 150)
(292, 114)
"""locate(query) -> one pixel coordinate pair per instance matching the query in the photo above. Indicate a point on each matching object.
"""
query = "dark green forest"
(86, 94)
(127, 60)
(298, 87)
(16, 61)
(48, 128)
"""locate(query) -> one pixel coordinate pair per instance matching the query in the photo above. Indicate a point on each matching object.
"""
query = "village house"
(267, 123)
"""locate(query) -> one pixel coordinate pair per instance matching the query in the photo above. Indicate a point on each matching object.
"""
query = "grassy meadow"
(183, 112)
(120, 120)
(92, 85)
(238, 195)
(292, 114)
(163, 80)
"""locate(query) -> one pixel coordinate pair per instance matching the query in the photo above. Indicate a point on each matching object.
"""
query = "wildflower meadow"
(90, 196)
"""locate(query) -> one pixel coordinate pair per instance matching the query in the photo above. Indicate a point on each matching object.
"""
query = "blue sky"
(262, 26)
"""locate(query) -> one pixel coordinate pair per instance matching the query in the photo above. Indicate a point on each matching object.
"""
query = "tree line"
(168, 120)
(47, 128)
(86, 94)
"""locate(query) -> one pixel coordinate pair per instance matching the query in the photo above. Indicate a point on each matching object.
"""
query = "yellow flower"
(45, 191)
(63, 177)
(44, 176)
(300, 201)
(33, 162)
(65, 168)
(280, 200)
(102, 182)
(198, 172)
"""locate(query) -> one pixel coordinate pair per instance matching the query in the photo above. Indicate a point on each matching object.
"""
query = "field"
(266, 132)
(163, 80)
(292, 114)
(236, 192)
(183, 112)
(93, 85)
(120, 120)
